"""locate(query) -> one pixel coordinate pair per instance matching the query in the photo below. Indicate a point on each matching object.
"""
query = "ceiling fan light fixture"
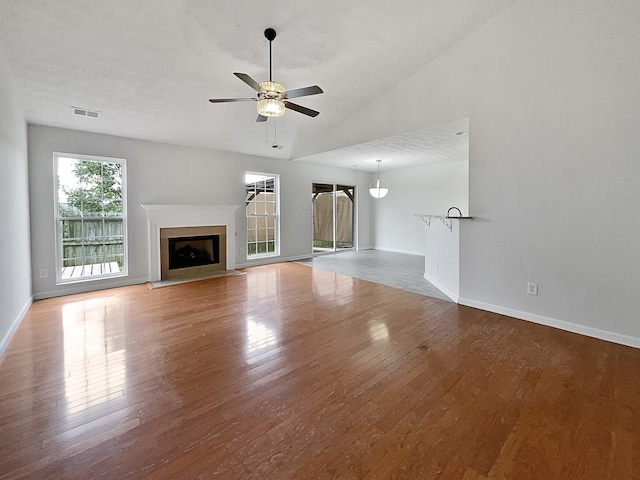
(272, 87)
(270, 107)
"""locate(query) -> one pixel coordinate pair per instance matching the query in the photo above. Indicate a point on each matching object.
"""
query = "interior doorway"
(333, 208)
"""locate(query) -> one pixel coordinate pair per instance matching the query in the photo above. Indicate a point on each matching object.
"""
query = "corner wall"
(15, 274)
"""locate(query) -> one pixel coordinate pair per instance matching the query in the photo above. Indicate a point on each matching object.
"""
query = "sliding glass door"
(333, 206)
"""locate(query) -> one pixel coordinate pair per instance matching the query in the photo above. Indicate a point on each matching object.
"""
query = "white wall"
(432, 190)
(442, 255)
(552, 92)
(427, 189)
(169, 174)
(15, 280)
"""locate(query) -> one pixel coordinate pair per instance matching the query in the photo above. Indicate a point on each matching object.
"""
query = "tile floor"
(399, 270)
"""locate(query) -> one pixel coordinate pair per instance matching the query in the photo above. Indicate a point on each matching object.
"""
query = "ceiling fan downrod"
(270, 35)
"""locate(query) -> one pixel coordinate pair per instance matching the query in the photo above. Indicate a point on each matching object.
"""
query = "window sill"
(262, 255)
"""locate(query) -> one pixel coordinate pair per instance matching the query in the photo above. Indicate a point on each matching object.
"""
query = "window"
(90, 212)
(262, 205)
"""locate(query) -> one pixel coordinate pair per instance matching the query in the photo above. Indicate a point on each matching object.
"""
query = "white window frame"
(58, 219)
(276, 215)
(354, 218)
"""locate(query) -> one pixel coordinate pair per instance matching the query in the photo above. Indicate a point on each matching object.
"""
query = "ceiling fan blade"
(301, 109)
(261, 118)
(249, 81)
(225, 100)
(303, 92)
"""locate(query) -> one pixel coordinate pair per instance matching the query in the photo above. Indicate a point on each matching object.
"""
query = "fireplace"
(192, 251)
(198, 232)
(185, 252)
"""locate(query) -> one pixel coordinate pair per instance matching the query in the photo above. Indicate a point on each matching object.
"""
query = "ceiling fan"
(271, 96)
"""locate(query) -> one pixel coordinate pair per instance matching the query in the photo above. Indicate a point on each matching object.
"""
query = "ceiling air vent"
(85, 113)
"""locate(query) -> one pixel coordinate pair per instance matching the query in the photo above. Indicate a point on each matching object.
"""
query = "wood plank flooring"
(290, 372)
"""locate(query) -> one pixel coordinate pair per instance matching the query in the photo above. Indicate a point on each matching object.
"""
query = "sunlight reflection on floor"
(94, 352)
(259, 336)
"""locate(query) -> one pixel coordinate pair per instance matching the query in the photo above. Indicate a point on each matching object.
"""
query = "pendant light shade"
(378, 188)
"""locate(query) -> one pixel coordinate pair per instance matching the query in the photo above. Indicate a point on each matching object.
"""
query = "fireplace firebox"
(187, 252)
(192, 252)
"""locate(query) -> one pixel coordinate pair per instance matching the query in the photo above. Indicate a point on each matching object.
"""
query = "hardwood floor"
(290, 372)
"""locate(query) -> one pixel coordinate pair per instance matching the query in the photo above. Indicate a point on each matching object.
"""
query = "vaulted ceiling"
(149, 67)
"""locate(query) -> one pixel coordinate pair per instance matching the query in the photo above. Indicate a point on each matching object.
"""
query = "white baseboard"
(84, 287)
(270, 260)
(393, 250)
(556, 323)
(452, 295)
(14, 326)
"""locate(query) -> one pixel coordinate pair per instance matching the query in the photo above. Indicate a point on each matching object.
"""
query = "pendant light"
(378, 188)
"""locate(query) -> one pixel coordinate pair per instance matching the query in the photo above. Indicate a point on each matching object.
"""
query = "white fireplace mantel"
(170, 216)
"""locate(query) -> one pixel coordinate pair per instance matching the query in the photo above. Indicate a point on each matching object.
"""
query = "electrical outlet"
(44, 273)
(300, 244)
(242, 250)
(532, 288)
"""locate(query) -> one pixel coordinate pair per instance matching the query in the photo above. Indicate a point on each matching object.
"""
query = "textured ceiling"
(149, 67)
(444, 143)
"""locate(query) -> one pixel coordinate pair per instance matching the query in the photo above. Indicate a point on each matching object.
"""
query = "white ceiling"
(443, 143)
(149, 67)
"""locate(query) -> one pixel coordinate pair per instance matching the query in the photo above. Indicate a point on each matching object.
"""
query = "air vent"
(85, 113)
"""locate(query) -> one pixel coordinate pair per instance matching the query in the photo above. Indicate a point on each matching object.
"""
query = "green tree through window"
(99, 190)
(91, 217)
